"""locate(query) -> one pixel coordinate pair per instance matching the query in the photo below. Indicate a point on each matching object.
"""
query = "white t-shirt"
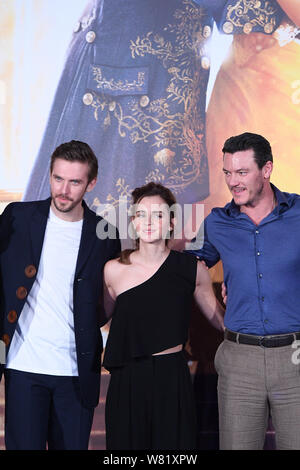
(44, 340)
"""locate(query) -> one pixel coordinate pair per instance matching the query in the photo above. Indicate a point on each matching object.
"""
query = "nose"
(232, 179)
(149, 220)
(65, 187)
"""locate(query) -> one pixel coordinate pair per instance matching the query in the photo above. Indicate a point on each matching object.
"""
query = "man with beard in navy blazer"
(51, 307)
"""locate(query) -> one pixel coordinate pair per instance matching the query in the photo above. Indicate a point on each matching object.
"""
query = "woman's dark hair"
(148, 190)
(76, 151)
(260, 146)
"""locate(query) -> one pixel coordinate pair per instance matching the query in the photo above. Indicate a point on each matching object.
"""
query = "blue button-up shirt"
(261, 265)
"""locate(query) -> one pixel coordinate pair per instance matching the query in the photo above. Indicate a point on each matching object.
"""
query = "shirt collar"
(233, 210)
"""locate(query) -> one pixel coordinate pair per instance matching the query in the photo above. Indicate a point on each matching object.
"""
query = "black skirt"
(150, 405)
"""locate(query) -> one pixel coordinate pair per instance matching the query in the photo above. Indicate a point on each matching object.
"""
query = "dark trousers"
(41, 409)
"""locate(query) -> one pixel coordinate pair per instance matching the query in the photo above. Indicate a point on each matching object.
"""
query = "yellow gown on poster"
(258, 90)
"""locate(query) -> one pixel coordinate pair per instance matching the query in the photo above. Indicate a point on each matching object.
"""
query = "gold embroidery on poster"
(156, 124)
(123, 194)
(241, 15)
(118, 85)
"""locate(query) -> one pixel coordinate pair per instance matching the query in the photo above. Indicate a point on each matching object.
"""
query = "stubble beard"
(64, 209)
(252, 199)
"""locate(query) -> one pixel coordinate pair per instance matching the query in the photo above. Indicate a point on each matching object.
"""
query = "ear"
(91, 185)
(267, 169)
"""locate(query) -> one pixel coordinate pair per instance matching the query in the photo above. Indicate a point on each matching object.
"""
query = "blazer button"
(21, 292)
(30, 270)
(144, 101)
(88, 99)
(6, 339)
(12, 316)
(228, 27)
(90, 36)
(77, 27)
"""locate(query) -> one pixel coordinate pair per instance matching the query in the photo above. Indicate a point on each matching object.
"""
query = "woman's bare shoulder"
(112, 265)
(114, 268)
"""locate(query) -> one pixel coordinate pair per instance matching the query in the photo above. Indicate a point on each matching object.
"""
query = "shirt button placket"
(260, 274)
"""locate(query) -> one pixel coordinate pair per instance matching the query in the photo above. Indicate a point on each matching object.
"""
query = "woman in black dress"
(150, 403)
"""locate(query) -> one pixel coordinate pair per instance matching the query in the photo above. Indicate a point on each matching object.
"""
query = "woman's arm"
(292, 9)
(206, 299)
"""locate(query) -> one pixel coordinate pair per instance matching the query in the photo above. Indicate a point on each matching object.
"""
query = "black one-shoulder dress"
(150, 401)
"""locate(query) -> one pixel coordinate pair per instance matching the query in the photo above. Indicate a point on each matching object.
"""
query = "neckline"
(66, 223)
(147, 280)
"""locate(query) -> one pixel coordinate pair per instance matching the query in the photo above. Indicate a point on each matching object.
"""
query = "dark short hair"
(153, 189)
(76, 151)
(247, 141)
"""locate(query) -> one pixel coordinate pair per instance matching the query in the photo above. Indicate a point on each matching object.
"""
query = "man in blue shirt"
(256, 236)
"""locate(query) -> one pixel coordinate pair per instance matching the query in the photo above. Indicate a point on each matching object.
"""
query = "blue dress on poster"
(134, 88)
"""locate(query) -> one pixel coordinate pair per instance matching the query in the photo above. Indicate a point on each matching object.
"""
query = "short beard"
(67, 209)
(255, 199)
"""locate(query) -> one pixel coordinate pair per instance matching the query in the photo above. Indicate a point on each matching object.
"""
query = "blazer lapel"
(88, 238)
(38, 225)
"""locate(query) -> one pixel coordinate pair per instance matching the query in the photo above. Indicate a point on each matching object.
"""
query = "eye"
(140, 214)
(157, 215)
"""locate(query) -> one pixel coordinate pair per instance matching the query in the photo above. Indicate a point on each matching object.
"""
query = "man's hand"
(224, 293)
(204, 264)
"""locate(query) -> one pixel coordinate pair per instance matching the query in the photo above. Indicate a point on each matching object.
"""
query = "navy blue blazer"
(23, 226)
